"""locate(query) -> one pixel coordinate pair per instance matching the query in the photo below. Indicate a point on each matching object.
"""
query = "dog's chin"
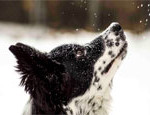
(123, 51)
(121, 55)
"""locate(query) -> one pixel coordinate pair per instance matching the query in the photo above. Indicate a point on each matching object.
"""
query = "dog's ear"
(40, 74)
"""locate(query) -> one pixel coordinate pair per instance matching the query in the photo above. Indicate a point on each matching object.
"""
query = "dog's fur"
(72, 79)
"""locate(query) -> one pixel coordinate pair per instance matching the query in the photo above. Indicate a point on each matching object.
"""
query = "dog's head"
(68, 71)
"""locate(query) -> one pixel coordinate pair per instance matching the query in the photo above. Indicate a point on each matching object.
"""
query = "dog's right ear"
(37, 69)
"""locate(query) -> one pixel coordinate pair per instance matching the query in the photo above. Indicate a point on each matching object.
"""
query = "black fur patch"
(96, 79)
(99, 68)
(110, 43)
(90, 100)
(99, 88)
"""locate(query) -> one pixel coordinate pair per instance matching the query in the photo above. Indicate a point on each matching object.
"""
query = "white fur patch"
(28, 108)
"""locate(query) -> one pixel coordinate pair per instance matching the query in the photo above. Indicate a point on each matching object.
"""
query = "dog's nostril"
(116, 27)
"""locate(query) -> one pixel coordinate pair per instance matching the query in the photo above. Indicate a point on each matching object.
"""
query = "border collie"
(71, 79)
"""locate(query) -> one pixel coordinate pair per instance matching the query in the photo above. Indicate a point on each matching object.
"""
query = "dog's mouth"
(121, 54)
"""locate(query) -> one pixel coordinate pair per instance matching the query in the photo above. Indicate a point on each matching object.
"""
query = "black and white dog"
(71, 79)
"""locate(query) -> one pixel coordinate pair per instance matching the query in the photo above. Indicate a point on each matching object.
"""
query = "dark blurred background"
(92, 15)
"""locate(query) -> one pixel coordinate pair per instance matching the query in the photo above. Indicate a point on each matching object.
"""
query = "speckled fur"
(72, 79)
(96, 100)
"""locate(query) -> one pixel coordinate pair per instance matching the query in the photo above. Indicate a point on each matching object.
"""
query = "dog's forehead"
(66, 48)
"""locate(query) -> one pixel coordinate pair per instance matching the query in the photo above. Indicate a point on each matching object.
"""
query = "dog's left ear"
(38, 71)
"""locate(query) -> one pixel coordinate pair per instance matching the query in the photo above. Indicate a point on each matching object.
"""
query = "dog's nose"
(116, 27)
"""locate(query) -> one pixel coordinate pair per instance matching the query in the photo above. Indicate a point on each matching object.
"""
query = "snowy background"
(131, 90)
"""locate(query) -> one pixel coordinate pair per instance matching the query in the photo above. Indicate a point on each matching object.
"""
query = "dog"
(71, 79)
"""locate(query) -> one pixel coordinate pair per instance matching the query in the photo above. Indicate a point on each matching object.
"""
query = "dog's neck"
(93, 105)
(96, 99)
(90, 104)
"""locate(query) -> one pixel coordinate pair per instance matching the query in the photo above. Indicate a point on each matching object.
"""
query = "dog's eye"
(80, 53)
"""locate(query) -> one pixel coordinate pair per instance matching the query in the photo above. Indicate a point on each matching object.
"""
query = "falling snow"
(140, 21)
(85, 2)
(72, 3)
(137, 78)
(77, 29)
(148, 14)
(95, 15)
(133, 3)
